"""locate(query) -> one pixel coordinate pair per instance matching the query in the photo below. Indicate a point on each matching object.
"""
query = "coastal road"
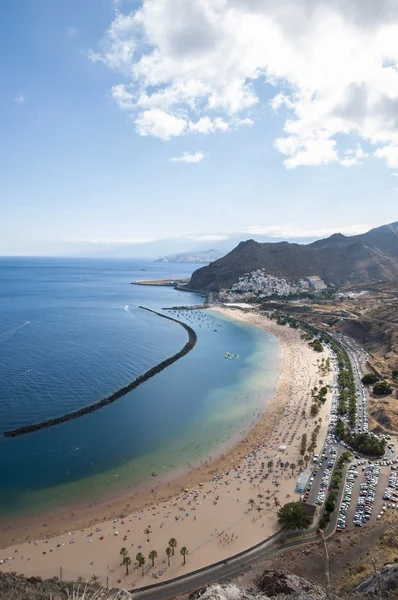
(227, 570)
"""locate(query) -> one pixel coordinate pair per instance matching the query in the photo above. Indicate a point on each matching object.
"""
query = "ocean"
(71, 333)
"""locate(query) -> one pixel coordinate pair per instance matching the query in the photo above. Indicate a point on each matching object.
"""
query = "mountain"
(338, 259)
(198, 257)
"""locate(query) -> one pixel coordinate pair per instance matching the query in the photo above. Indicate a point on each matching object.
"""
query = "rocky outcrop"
(275, 585)
(389, 582)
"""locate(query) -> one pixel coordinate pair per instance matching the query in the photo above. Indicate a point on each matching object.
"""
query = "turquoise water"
(71, 332)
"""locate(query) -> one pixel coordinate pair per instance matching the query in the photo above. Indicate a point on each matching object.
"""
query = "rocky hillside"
(342, 260)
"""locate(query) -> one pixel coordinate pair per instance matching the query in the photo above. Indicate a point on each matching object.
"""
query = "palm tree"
(267, 504)
(251, 501)
(292, 466)
(259, 509)
(168, 552)
(270, 464)
(306, 458)
(123, 553)
(147, 532)
(94, 578)
(276, 502)
(80, 579)
(260, 496)
(127, 562)
(152, 555)
(140, 558)
(172, 544)
(184, 552)
(300, 463)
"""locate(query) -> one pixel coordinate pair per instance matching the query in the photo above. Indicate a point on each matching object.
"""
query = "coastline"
(164, 492)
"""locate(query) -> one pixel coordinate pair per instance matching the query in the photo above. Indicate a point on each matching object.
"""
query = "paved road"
(222, 573)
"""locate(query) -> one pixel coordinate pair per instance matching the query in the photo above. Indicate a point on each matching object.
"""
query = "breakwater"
(192, 338)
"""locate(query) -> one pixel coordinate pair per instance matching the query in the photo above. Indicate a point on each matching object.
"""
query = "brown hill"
(342, 260)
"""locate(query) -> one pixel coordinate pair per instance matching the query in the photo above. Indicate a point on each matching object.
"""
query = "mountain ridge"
(338, 259)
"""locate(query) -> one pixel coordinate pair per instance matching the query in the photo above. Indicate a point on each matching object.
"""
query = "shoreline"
(274, 423)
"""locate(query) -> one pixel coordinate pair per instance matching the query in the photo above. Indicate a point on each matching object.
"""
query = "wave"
(7, 335)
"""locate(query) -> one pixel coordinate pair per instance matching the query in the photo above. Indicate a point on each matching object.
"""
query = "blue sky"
(98, 96)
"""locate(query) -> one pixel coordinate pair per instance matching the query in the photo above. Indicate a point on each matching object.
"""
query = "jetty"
(163, 282)
(192, 339)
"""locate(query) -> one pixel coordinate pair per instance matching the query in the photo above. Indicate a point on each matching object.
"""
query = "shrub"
(382, 388)
(369, 379)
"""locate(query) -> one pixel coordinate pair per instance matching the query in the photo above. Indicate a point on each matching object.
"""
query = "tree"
(252, 502)
(306, 458)
(293, 516)
(140, 558)
(292, 466)
(369, 379)
(259, 509)
(395, 374)
(270, 464)
(168, 552)
(382, 388)
(260, 497)
(172, 544)
(276, 502)
(184, 552)
(94, 578)
(123, 553)
(152, 555)
(147, 532)
(300, 463)
(127, 562)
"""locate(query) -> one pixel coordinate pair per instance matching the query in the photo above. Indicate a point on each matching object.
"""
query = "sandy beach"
(206, 509)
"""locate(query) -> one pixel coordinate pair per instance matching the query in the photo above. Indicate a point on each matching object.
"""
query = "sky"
(128, 121)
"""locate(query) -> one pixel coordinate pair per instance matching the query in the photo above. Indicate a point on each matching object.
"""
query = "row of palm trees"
(140, 558)
(259, 508)
(293, 466)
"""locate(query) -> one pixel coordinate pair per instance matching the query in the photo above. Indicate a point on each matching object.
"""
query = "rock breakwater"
(192, 338)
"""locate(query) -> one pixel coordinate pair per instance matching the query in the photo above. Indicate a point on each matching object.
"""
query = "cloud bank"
(200, 67)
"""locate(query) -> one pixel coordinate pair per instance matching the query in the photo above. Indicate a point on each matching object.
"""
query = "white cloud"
(394, 174)
(390, 153)
(287, 231)
(19, 98)
(353, 157)
(71, 32)
(160, 124)
(189, 157)
(333, 65)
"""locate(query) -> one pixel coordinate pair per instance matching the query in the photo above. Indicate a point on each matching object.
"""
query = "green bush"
(369, 379)
(382, 388)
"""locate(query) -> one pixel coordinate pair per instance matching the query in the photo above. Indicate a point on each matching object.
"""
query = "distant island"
(198, 257)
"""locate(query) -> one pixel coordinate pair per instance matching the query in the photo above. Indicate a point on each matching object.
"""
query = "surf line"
(192, 339)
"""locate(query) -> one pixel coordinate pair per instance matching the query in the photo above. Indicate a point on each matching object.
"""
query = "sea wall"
(192, 338)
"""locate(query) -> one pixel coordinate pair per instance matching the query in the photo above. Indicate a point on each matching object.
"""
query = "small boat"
(153, 474)
(142, 269)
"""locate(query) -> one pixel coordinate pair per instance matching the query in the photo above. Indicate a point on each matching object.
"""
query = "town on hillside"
(263, 285)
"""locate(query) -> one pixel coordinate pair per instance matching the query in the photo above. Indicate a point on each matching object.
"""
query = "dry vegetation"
(351, 553)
